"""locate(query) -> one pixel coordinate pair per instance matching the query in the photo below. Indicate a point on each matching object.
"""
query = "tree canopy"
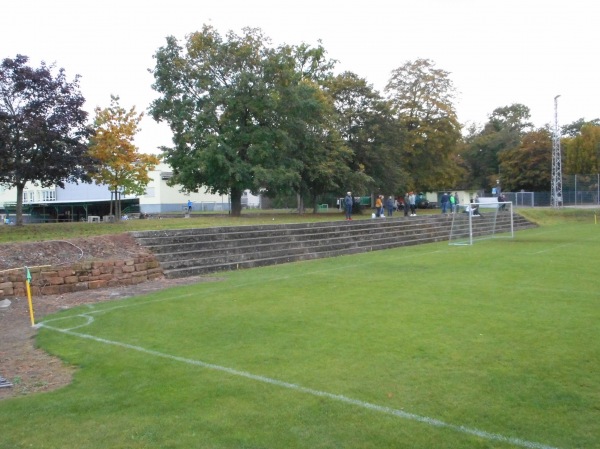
(120, 165)
(248, 116)
(582, 151)
(43, 129)
(503, 131)
(367, 126)
(527, 166)
(422, 97)
(277, 121)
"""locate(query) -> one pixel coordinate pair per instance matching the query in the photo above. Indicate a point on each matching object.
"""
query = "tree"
(120, 166)
(503, 131)
(313, 146)
(422, 97)
(215, 96)
(368, 128)
(574, 129)
(582, 152)
(528, 166)
(246, 116)
(43, 129)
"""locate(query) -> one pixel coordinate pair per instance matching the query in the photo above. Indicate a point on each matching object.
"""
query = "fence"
(581, 189)
(577, 190)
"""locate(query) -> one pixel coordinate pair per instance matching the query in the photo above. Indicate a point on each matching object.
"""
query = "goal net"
(480, 221)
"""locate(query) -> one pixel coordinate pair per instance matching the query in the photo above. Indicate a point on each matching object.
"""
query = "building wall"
(83, 191)
(158, 198)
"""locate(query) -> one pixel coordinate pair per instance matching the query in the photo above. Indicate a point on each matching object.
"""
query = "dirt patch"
(66, 252)
(28, 368)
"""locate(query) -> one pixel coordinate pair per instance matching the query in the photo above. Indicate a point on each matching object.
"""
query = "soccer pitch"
(495, 345)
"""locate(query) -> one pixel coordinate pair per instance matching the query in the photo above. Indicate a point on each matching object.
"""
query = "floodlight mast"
(556, 199)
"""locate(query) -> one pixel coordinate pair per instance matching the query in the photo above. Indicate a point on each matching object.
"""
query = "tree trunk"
(19, 211)
(315, 205)
(236, 201)
(300, 203)
(117, 206)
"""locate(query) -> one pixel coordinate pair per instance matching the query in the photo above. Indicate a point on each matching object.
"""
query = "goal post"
(481, 221)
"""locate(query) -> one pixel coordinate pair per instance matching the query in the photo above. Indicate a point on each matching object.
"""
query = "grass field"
(496, 345)
(51, 231)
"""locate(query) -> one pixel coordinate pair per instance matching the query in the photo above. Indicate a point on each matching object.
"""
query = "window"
(28, 196)
(48, 195)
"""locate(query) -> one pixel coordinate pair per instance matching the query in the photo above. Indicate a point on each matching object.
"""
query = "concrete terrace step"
(246, 253)
(270, 238)
(156, 238)
(356, 248)
(257, 245)
(189, 252)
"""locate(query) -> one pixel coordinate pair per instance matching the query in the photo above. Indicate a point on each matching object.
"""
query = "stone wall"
(80, 276)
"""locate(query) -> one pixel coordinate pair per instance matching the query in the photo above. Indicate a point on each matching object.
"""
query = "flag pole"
(28, 286)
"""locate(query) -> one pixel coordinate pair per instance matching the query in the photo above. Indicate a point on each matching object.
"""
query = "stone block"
(96, 284)
(80, 286)
(55, 280)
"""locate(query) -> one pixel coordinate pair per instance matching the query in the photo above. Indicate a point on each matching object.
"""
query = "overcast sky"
(497, 52)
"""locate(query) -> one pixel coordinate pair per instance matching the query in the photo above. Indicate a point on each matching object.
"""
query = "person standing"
(452, 203)
(189, 204)
(406, 204)
(378, 206)
(445, 202)
(348, 202)
(389, 204)
(412, 200)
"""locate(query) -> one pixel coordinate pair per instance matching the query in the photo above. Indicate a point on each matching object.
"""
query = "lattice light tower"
(556, 199)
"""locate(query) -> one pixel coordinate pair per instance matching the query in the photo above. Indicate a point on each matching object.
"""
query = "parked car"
(422, 202)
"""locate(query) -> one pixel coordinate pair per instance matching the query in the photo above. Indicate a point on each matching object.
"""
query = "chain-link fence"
(577, 190)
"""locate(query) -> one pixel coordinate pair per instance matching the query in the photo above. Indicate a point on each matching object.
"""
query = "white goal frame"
(482, 221)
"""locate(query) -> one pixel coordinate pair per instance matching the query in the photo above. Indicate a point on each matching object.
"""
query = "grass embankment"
(495, 345)
(53, 231)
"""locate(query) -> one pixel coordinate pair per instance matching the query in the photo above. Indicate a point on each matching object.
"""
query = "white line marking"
(551, 248)
(336, 397)
(89, 320)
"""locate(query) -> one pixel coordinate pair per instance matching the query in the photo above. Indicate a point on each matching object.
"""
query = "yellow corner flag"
(28, 285)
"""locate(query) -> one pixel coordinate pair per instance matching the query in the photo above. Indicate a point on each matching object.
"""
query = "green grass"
(52, 231)
(501, 337)
(548, 216)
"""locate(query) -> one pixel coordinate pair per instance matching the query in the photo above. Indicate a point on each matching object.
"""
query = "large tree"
(423, 100)
(215, 98)
(574, 129)
(120, 165)
(43, 130)
(367, 126)
(309, 147)
(502, 132)
(527, 166)
(582, 152)
(246, 116)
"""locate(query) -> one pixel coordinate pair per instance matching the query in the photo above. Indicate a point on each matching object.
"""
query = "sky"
(497, 52)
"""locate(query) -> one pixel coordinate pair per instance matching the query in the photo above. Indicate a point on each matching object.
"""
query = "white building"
(78, 201)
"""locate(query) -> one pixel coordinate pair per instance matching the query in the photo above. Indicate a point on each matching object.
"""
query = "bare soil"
(65, 252)
(31, 369)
